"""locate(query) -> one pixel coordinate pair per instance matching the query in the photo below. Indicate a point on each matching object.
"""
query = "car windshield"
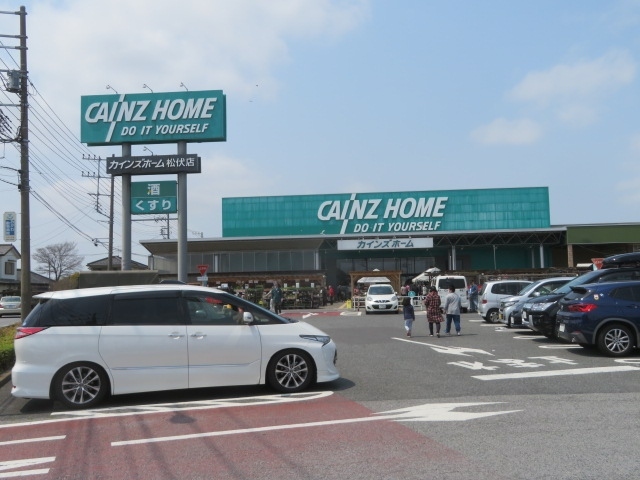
(582, 279)
(528, 288)
(10, 299)
(380, 290)
(444, 283)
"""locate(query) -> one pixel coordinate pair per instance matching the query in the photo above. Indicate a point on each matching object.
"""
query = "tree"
(58, 260)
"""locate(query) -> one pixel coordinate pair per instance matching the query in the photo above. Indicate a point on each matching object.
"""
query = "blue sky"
(349, 96)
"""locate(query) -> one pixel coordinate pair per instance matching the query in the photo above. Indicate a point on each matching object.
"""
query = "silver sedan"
(10, 306)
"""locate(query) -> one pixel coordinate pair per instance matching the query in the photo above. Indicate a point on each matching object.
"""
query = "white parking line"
(175, 406)
(568, 346)
(555, 373)
(31, 440)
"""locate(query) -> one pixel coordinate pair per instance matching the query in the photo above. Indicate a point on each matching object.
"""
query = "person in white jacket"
(451, 307)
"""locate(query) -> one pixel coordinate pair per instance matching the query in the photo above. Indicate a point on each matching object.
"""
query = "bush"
(7, 354)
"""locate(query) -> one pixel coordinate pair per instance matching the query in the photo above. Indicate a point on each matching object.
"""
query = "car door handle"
(198, 335)
(175, 335)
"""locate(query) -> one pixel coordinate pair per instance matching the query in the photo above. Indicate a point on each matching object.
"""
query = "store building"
(322, 239)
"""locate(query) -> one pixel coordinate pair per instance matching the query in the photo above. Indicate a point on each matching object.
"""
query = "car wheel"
(616, 340)
(80, 385)
(492, 316)
(290, 371)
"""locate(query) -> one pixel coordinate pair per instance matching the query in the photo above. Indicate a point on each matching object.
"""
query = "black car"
(540, 313)
(602, 314)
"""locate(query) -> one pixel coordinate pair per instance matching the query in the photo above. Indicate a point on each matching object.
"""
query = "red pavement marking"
(367, 448)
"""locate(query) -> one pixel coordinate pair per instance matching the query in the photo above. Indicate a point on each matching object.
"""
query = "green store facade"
(324, 239)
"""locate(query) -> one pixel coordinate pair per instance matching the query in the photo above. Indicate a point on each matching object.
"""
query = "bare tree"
(58, 260)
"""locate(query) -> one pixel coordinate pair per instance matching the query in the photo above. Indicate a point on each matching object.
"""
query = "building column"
(570, 255)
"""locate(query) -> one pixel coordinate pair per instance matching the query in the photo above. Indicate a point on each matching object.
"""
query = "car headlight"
(541, 307)
(369, 299)
(394, 299)
(324, 339)
(507, 304)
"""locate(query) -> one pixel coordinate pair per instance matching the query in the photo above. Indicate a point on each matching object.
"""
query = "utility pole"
(25, 188)
(97, 195)
(23, 140)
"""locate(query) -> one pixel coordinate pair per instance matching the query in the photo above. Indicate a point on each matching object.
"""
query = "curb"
(5, 378)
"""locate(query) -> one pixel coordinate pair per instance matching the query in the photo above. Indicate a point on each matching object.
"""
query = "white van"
(442, 282)
(77, 346)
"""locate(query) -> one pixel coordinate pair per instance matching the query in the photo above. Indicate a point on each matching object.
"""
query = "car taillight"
(22, 332)
(582, 307)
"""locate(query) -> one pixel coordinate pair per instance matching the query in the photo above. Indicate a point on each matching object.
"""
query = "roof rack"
(622, 260)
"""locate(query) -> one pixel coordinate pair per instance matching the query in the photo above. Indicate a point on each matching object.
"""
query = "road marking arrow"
(438, 412)
(14, 465)
(464, 351)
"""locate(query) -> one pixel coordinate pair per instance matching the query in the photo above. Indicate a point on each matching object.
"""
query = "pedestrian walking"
(331, 293)
(473, 297)
(434, 312)
(452, 310)
(276, 298)
(409, 315)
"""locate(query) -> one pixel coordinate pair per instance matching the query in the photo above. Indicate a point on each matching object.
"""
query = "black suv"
(541, 311)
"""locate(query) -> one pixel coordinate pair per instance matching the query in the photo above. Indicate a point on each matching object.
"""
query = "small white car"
(10, 306)
(77, 346)
(381, 298)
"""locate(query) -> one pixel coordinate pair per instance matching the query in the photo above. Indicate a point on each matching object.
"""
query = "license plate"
(384, 307)
(561, 327)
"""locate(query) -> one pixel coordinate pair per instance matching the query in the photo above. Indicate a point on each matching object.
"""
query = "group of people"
(435, 312)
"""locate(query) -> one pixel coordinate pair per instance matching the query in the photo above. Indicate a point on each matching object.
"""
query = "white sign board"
(10, 226)
(385, 243)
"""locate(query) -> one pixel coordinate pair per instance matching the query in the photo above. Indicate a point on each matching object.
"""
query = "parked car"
(10, 306)
(79, 345)
(491, 294)
(381, 297)
(540, 313)
(459, 282)
(510, 312)
(602, 314)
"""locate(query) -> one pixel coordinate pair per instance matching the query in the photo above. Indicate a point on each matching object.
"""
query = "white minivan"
(77, 346)
(442, 283)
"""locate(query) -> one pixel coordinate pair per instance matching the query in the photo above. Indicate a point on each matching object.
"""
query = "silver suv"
(493, 292)
(510, 312)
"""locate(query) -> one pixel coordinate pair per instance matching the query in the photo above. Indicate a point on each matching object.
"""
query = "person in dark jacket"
(409, 315)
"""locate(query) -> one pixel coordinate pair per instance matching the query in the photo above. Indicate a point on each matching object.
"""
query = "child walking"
(409, 315)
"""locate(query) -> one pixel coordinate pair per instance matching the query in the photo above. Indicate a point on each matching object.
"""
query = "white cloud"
(577, 80)
(83, 45)
(577, 115)
(507, 132)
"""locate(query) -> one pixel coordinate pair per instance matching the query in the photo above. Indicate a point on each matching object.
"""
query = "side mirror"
(247, 318)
